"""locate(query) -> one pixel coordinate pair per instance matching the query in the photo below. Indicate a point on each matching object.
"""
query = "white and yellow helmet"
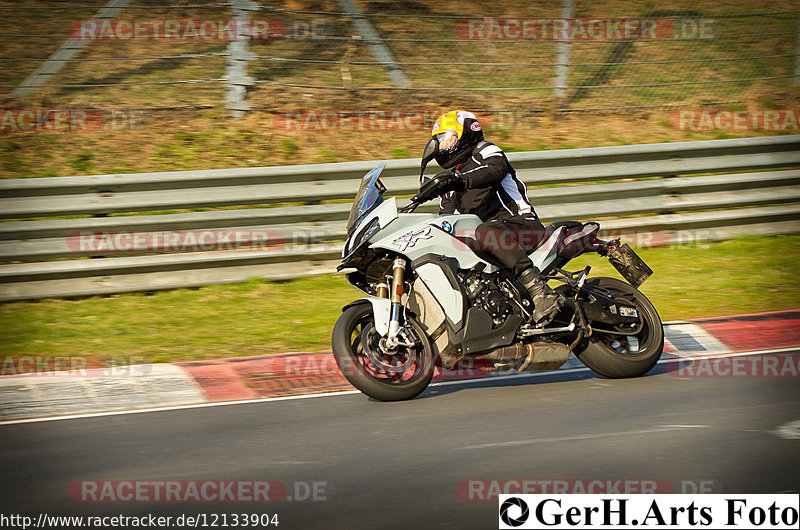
(456, 133)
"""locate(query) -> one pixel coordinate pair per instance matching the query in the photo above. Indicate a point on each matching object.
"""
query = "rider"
(481, 181)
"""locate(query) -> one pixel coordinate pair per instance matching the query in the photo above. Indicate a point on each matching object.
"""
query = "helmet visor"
(447, 140)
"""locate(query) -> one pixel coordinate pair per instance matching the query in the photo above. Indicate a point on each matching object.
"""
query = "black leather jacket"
(493, 189)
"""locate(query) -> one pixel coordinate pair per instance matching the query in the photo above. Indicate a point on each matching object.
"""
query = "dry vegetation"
(187, 126)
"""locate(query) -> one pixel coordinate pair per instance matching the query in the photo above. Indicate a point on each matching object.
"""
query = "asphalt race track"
(405, 465)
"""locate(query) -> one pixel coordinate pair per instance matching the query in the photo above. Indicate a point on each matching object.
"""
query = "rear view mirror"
(430, 152)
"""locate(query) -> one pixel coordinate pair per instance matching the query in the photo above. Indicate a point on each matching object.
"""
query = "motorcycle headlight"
(367, 233)
(361, 236)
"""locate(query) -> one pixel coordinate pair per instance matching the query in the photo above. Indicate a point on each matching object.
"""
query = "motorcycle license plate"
(629, 264)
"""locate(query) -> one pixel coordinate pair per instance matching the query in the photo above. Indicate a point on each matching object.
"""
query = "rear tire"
(618, 355)
(371, 371)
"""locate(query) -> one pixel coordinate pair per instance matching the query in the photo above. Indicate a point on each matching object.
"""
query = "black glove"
(440, 184)
(449, 181)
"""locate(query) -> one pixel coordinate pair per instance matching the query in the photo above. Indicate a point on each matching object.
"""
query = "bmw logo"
(447, 227)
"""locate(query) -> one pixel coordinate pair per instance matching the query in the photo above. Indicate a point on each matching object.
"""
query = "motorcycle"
(433, 297)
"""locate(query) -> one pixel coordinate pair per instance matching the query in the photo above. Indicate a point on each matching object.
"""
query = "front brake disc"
(391, 362)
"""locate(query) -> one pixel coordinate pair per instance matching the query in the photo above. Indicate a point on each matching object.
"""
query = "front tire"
(385, 377)
(631, 355)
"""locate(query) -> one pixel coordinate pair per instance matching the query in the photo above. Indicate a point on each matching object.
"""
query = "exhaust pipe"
(529, 356)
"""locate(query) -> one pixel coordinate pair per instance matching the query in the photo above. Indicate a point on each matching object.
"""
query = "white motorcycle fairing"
(419, 237)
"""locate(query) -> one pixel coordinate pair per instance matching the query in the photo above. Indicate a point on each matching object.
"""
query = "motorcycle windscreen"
(629, 264)
(430, 152)
(368, 197)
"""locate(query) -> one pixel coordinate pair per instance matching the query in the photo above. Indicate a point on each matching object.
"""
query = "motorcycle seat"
(575, 239)
(569, 225)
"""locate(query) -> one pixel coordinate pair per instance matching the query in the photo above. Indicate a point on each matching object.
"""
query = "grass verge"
(260, 317)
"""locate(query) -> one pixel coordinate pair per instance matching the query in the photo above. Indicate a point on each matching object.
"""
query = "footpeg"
(527, 331)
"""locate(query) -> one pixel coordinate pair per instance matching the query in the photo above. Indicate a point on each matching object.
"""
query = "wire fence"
(568, 55)
(563, 54)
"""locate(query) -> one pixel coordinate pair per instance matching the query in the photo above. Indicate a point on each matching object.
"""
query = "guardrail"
(661, 193)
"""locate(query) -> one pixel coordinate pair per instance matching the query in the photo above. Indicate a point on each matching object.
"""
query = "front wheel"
(395, 376)
(619, 352)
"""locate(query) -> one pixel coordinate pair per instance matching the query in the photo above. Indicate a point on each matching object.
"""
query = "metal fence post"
(64, 54)
(375, 43)
(562, 58)
(797, 59)
(236, 77)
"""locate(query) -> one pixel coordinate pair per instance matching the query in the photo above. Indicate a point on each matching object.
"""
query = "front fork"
(398, 282)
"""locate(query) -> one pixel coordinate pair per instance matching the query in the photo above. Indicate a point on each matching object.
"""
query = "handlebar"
(409, 208)
(432, 188)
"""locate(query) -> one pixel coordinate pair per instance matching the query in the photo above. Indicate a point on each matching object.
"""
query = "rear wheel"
(623, 350)
(397, 375)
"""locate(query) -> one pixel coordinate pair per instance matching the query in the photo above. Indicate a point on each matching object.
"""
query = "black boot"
(546, 302)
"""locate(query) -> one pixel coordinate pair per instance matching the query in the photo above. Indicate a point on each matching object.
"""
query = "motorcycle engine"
(486, 294)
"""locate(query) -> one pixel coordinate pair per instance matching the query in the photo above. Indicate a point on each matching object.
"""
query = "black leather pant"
(511, 240)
